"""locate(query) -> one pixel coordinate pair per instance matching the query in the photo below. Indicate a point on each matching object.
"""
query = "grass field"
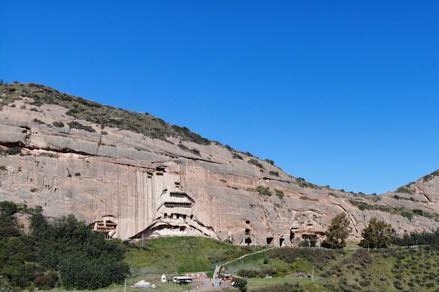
(182, 254)
(286, 269)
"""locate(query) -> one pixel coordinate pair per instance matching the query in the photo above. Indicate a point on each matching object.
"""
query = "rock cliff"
(133, 175)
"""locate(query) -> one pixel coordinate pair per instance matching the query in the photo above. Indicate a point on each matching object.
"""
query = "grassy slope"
(360, 270)
(349, 270)
(182, 254)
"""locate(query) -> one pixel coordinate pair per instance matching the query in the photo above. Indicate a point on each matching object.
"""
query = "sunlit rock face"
(131, 186)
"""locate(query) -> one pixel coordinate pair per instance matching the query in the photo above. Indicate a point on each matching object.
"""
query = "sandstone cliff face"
(132, 184)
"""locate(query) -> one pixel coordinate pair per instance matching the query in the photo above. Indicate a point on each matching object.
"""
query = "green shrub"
(407, 214)
(273, 173)
(304, 243)
(404, 189)
(183, 147)
(280, 194)
(269, 161)
(58, 124)
(263, 191)
(237, 156)
(304, 184)
(287, 287)
(318, 257)
(268, 271)
(240, 283)
(38, 121)
(79, 126)
(195, 151)
(431, 176)
(47, 280)
(256, 163)
(8, 208)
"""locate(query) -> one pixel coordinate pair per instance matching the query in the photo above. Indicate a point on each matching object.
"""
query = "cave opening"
(291, 236)
(269, 240)
(281, 241)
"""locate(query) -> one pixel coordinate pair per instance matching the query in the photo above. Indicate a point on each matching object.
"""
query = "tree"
(338, 232)
(377, 234)
(84, 258)
(66, 249)
(241, 284)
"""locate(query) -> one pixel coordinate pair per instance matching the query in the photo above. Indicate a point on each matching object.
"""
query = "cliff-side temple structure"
(175, 217)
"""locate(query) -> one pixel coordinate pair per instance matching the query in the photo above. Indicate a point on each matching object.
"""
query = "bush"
(38, 121)
(263, 191)
(424, 238)
(256, 163)
(240, 283)
(304, 184)
(79, 126)
(195, 151)
(431, 176)
(404, 189)
(283, 288)
(304, 243)
(269, 271)
(58, 124)
(273, 173)
(47, 281)
(237, 156)
(280, 194)
(12, 150)
(270, 161)
(8, 208)
(318, 257)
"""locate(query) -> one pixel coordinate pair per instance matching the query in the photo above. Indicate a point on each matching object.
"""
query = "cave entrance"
(248, 240)
(247, 231)
(269, 240)
(281, 241)
(291, 236)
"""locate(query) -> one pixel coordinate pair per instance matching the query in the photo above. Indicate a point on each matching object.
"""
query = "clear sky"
(342, 93)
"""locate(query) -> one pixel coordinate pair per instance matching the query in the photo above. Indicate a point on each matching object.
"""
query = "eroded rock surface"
(138, 185)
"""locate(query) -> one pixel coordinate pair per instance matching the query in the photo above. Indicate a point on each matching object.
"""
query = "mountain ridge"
(132, 166)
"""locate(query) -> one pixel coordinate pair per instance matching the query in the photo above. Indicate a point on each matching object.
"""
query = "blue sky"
(343, 93)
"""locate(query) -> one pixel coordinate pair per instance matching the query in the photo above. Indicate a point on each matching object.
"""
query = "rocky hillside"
(133, 175)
